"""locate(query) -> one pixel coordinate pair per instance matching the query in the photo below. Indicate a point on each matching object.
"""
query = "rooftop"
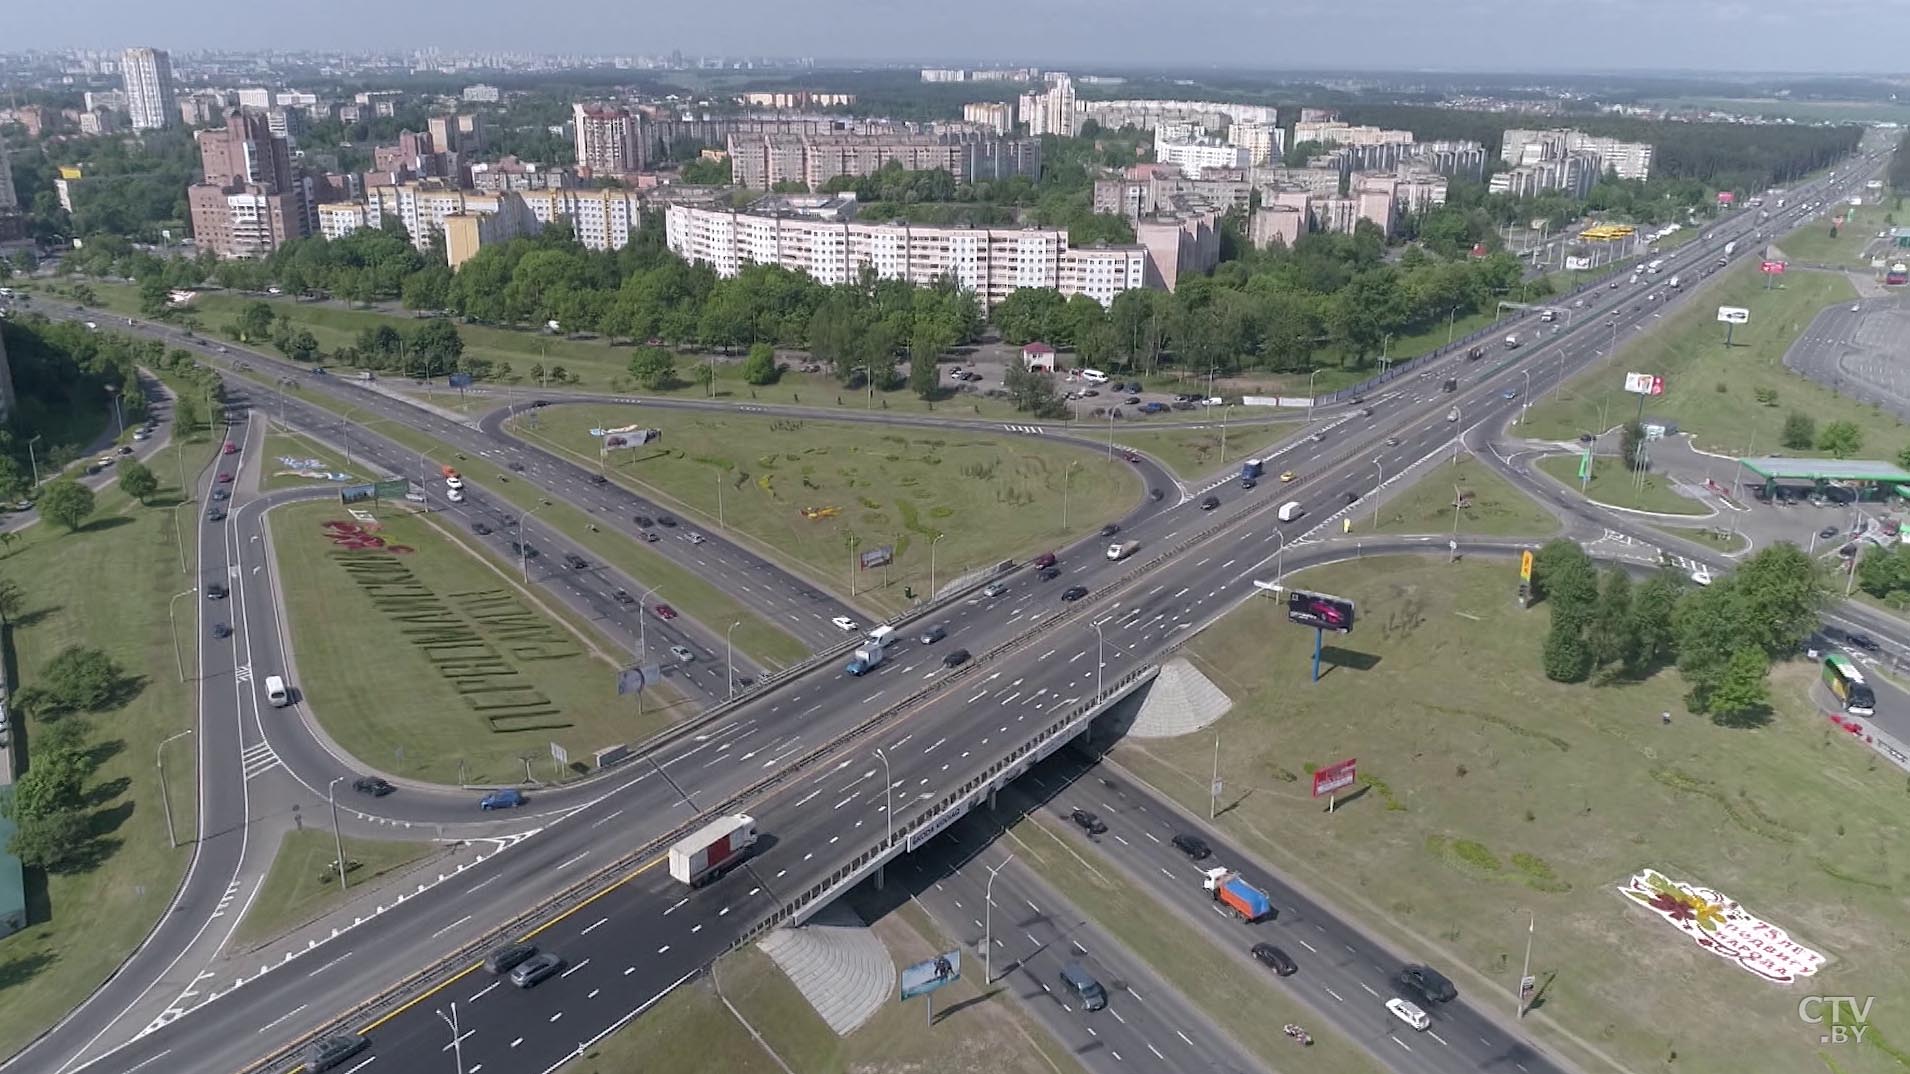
(1778, 467)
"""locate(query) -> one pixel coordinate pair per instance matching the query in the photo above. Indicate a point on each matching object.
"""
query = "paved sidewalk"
(839, 965)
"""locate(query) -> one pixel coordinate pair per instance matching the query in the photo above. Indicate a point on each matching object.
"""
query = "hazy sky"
(1485, 35)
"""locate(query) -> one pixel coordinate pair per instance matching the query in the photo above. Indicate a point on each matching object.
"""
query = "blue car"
(508, 798)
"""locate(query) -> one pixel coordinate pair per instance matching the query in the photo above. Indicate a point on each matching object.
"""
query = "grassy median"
(1490, 794)
(301, 886)
(817, 492)
(1466, 499)
(1611, 483)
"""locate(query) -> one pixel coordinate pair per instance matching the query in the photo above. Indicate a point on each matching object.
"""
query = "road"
(1185, 590)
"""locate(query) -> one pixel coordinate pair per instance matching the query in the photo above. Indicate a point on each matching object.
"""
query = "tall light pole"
(1531, 926)
(1311, 399)
(1379, 464)
(1111, 413)
(1066, 481)
(1450, 314)
(1224, 411)
(1455, 522)
(523, 550)
(643, 648)
(172, 622)
(852, 564)
(338, 843)
(729, 654)
(719, 501)
(1100, 662)
(938, 540)
(1280, 555)
(1213, 788)
(888, 798)
(988, 923)
(165, 799)
(1526, 399)
(119, 422)
(457, 1039)
(34, 461)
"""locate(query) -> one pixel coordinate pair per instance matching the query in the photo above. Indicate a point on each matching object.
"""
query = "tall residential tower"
(147, 73)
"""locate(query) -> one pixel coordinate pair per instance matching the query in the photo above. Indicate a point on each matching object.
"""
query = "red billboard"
(1334, 777)
(1725, 197)
(1772, 268)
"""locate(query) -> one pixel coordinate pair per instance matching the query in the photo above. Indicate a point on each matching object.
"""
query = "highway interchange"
(659, 933)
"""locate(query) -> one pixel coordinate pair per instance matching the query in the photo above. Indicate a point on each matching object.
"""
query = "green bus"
(1844, 680)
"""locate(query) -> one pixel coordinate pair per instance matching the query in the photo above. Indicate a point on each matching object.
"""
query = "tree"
(299, 345)
(52, 842)
(1800, 432)
(187, 414)
(1033, 392)
(1781, 591)
(154, 300)
(66, 502)
(55, 781)
(654, 368)
(12, 600)
(1563, 576)
(1631, 436)
(925, 376)
(1841, 438)
(933, 335)
(255, 322)
(1609, 635)
(136, 480)
(1567, 658)
(1654, 634)
(1742, 696)
(760, 367)
(703, 375)
(81, 679)
(437, 346)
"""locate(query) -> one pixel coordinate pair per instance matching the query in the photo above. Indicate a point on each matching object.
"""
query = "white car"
(683, 654)
(454, 482)
(1855, 308)
(1701, 576)
(845, 624)
(1408, 1013)
(694, 537)
(454, 495)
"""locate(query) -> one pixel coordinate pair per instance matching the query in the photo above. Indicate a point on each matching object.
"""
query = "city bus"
(1844, 680)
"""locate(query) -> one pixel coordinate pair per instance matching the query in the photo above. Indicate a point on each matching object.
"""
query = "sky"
(1477, 35)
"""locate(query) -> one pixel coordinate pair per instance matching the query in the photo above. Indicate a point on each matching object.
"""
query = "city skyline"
(1481, 35)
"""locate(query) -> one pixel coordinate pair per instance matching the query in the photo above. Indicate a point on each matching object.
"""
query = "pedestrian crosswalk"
(258, 759)
(1028, 430)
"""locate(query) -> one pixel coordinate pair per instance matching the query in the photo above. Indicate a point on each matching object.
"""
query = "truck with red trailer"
(1241, 899)
(712, 850)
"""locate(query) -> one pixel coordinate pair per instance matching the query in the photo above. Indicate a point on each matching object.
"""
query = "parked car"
(1193, 846)
(1274, 959)
(955, 659)
(1088, 822)
(648, 536)
(220, 495)
(503, 798)
(1828, 533)
(373, 786)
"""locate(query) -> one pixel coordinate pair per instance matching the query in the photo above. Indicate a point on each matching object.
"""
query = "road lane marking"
(580, 966)
(451, 926)
(592, 927)
(482, 992)
(277, 1020)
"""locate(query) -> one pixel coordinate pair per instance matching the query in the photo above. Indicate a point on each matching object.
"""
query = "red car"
(665, 612)
(229, 449)
(225, 479)
(1135, 459)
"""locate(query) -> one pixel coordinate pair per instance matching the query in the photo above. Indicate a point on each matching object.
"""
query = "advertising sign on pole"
(1525, 565)
(633, 680)
(876, 557)
(1321, 611)
(1334, 777)
(927, 976)
(1644, 384)
(357, 493)
(1733, 315)
(559, 754)
(1726, 198)
(394, 489)
(1772, 268)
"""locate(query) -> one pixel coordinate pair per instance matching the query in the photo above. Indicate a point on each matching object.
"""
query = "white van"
(1409, 1013)
(276, 693)
(883, 636)
(1094, 376)
(1291, 510)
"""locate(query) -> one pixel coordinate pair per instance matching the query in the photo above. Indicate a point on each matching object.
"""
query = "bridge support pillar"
(881, 875)
(993, 793)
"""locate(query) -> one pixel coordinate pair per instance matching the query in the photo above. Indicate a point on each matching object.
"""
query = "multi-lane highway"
(820, 815)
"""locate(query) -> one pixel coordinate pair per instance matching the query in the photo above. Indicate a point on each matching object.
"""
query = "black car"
(643, 521)
(217, 514)
(666, 521)
(1865, 642)
(1274, 959)
(1048, 574)
(509, 957)
(517, 467)
(216, 591)
(540, 402)
(575, 561)
(1352, 497)
(1110, 530)
(221, 631)
(329, 1053)
(1073, 593)
(599, 479)
(624, 597)
(528, 551)
(955, 659)
(1827, 533)
(480, 529)
(1193, 846)
(1428, 982)
(1210, 503)
(372, 785)
(1088, 822)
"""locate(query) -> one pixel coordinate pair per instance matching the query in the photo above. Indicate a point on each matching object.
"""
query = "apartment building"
(1177, 243)
(482, 93)
(1051, 110)
(147, 76)
(991, 262)
(1265, 144)
(1574, 174)
(470, 219)
(462, 133)
(609, 140)
(760, 161)
(111, 100)
(944, 74)
(1452, 159)
(998, 116)
(1630, 160)
(1213, 116)
(1194, 155)
(510, 173)
(793, 99)
(250, 199)
(1282, 223)
(1336, 133)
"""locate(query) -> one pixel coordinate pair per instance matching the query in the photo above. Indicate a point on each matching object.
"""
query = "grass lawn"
(691, 1030)
(1236, 997)
(1195, 452)
(1613, 484)
(986, 496)
(106, 586)
(1492, 793)
(1812, 243)
(694, 596)
(378, 692)
(289, 455)
(1717, 537)
(301, 886)
(1687, 349)
(1491, 506)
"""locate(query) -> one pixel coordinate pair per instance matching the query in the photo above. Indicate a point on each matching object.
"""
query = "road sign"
(560, 755)
(1733, 315)
(1772, 268)
(1335, 777)
(1644, 384)
(1525, 565)
(1526, 985)
(1214, 790)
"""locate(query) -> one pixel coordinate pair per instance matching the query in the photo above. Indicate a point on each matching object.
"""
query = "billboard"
(1733, 315)
(357, 493)
(1726, 198)
(877, 557)
(1644, 384)
(460, 380)
(631, 438)
(394, 489)
(1525, 557)
(1334, 777)
(1321, 611)
(925, 977)
(1772, 268)
(633, 680)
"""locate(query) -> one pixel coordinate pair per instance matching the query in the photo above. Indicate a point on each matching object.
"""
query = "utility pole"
(1525, 974)
(1213, 789)
(338, 843)
(165, 799)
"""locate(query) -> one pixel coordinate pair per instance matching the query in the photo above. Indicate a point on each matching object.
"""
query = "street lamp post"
(119, 421)
(457, 1039)
(1100, 662)
(988, 923)
(1450, 314)
(1280, 555)
(1224, 411)
(888, 798)
(931, 559)
(1311, 399)
(643, 648)
(34, 461)
(1526, 399)
(523, 550)
(165, 799)
(1067, 480)
(338, 843)
(1380, 464)
(1111, 413)
(179, 536)
(172, 622)
(719, 501)
(729, 654)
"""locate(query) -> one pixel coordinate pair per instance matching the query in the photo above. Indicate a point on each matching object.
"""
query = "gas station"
(1869, 480)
